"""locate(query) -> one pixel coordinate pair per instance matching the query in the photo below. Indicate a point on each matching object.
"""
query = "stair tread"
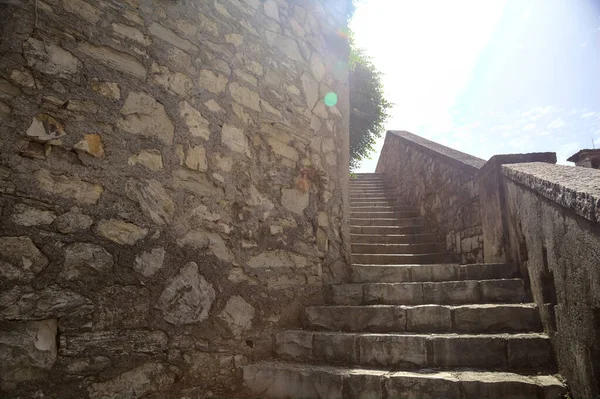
(553, 388)
(437, 282)
(524, 305)
(424, 335)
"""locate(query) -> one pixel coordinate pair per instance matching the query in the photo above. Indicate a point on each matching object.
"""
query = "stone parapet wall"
(554, 236)
(173, 189)
(441, 182)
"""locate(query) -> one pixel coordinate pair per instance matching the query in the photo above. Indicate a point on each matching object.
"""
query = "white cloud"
(588, 115)
(557, 124)
(529, 126)
(538, 112)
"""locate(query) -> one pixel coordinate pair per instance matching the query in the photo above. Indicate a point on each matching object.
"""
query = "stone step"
(360, 200)
(392, 238)
(364, 273)
(416, 221)
(410, 351)
(385, 230)
(384, 214)
(372, 190)
(367, 185)
(382, 208)
(284, 380)
(443, 293)
(413, 248)
(472, 319)
(372, 194)
(366, 176)
(379, 204)
(402, 259)
(370, 182)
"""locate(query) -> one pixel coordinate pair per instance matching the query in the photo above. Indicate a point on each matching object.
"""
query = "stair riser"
(356, 200)
(383, 215)
(390, 230)
(430, 273)
(425, 248)
(443, 293)
(417, 221)
(277, 382)
(377, 191)
(358, 239)
(370, 187)
(430, 318)
(501, 352)
(401, 259)
(381, 205)
(381, 208)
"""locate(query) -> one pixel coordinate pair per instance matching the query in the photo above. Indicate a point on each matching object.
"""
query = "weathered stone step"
(382, 208)
(367, 176)
(361, 200)
(402, 259)
(383, 192)
(409, 351)
(370, 186)
(379, 205)
(488, 318)
(364, 273)
(283, 380)
(416, 221)
(390, 229)
(383, 214)
(412, 248)
(444, 293)
(392, 238)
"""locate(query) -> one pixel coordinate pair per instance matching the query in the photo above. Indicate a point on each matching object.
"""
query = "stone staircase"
(411, 324)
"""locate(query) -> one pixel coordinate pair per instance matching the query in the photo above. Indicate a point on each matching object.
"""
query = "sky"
(487, 77)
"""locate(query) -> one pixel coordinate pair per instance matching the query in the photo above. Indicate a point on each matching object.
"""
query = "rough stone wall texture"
(555, 237)
(160, 208)
(441, 182)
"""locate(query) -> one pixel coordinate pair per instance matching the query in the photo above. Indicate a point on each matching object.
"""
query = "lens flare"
(343, 32)
(330, 99)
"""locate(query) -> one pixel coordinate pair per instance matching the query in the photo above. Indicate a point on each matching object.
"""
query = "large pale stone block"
(50, 59)
(120, 232)
(196, 123)
(295, 200)
(28, 216)
(188, 297)
(145, 116)
(234, 138)
(238, 315)
(149, 263)
(152, 198)
(115, 59)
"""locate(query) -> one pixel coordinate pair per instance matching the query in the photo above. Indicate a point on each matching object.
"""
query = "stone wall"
(172, 188)
(553, 214)
(441, 181)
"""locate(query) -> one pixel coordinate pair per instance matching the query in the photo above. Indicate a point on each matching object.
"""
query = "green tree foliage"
(368, 107)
